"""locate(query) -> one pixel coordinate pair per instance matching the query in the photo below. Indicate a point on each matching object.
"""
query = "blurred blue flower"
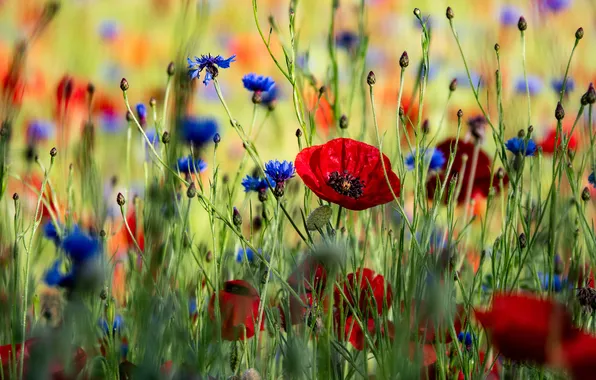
(54, 276)
(38, 130)
(142, 113)
(557, 85)
(255, 184)
(208, 63)
(592, 179)
(109, 30)
(347, 40)
(268, 98)
(257, 83)
(433, 157)
(534, 85)
(116, 326)
(245, 254)
(188, 165)
(555, 5)
(465, 338)
(556, 283)
(518, 145)
(192, 306)
(80, 247)
(152, 136)
(510, 15)
(278, 171)
(302, 61)
(464, 82)
(198, 131)
(111, 122)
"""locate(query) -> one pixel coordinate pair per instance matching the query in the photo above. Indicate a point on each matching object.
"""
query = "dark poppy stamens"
(346, 184)
(237, 289)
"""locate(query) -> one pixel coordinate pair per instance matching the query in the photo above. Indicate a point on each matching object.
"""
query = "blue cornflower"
(556, 283)
(268, 98)
(152, 136)
(245, 254)
(111, 122)
(109, 30)
(592, 179)
(53, 276)
(50, 232)
(208, 63)
(278, 171)
(534, 85)
(80, 247)
(39, 130)
(347, 40)
(192, 306)
(510, 15)
(464, 82)
(435, 158)
(518, 145)
(557, 85)
(257, 83)
(255, 184)
(188, 165)
(555, 5)
(465, 338)
(142, 112)
(116, 326)
(198, 131)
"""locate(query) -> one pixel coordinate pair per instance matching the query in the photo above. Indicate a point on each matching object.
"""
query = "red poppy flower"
(578, 357)
(549, 141)
(70, 93)
(136, 230)
(365, 291)
(239, 309)
(309, 279)
(482, 178)
(521, 326)
(356, 336)
(347, 172)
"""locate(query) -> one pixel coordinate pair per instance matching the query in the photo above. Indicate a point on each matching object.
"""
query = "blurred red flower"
(347, 172)
(365, 291)
(308, 280)
(549, 141)
(239, 310)
(356, 336)
(482, 178)
(493, 374)
(578, 357)
(524, 328)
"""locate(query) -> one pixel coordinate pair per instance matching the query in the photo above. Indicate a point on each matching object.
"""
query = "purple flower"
(38, 131)
(208, 63)
(510, 15)
(534, 85)
(555, 5)
(109, 30)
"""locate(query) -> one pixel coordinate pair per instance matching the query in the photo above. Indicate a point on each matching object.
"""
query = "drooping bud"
(404, 60)
(217, 138)
(460, 114)
(371, 79)
(417, 12)
(53, 152)
(298, 133)
(497, 47)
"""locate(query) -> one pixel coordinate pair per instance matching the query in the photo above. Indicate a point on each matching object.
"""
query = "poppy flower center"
(236, 289)
(346, 184)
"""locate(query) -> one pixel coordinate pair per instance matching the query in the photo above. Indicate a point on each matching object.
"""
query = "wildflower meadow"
(297, 189)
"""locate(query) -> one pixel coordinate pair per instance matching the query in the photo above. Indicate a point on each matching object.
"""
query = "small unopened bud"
(584, 99)
(257, 223)
(453, 85)
(53, 152)
(103, 295)
(404, 60)
(530, 129)
(15, 197)
(191, 192)
(522, 240)
(129, 116)
(120, 199)
(217, 138)
(460, 114)
(449, 13)
(591, 94)
(521, 133)
(343, 122)
(500, 174)
(417, 12)
(497, 47)
(371, 79)
(579, 33)
(165, 137)
(170, 69)
(124, 84)
(209, 256)
(102, 234)
(298, 132)
(152, 102)
(559, 112)
(586, 194)
(425, 126)
(322, 90)
(236, 217)
(522, 24)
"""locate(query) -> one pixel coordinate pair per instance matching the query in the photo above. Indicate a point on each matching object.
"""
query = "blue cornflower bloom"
(592, 179)
(255, 184)
(80, 247)
(142, 112)
(278, 171)
(546, 283)
(39, 130)
(109, 30)
(53, 276)
(50, 232)
(268, 98)
(557, 85)
(465, 338)
(347, 40)
(510, 15)
(464, 82)
(116, 326)
(245, 254)
(192, 306)
(198, 131)
(257, 83)
(518, 145)
(435, 158)
(555, 5)
(534, 85)
(111, 122)
(188, 165)
(208, 63)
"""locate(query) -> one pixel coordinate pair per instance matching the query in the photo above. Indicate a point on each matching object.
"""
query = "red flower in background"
(482, 178)
(549, 141)
(522, 326)
(69, 94)
(578, 356)
(239, 310)
(308, 280)
(356, 336)
(366, 291)
(347, 172)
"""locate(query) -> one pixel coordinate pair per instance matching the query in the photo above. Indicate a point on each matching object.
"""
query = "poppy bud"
(217, 138)
(298, 132)
(417, 12)
(124, 84)
(404, 60)
(343, 122)
(165, 138)
(559, 112)
(449, 13)
(584, 99)
(371, 79)
(236, 217)
(453, 85)
(579, 33)
(497, 47)
(522, 240)
(53, 152)
(120, 199)
(522, 24)
(170, 69)
(586, 194)
(191, 191)
(257, 97)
